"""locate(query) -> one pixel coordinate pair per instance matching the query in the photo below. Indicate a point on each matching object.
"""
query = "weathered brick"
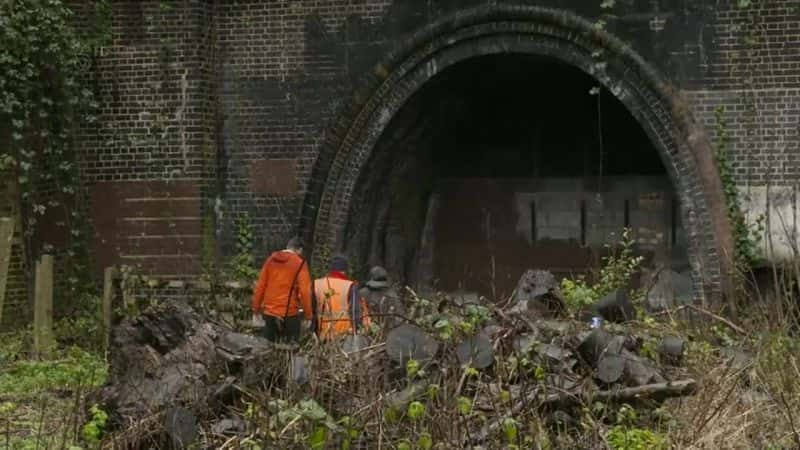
(201, 93)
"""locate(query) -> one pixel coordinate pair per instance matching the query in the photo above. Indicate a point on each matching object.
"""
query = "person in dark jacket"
(382, 299)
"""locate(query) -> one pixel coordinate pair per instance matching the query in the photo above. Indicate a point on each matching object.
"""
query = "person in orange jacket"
(339, 310)
(283, 288)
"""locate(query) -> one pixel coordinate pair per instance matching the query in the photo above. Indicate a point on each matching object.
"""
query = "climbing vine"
(243, 264)
(45, 98)
(746, 238)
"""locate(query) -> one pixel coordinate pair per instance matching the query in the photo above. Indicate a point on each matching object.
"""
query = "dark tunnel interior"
(508, 162)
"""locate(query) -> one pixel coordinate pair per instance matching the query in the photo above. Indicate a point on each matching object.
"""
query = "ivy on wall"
(746, 237)
(45, 99)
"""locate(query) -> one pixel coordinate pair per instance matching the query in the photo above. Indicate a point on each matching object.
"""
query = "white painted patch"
(778, 205)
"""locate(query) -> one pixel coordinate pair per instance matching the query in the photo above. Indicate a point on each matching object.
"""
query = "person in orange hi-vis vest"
(339, 310)
(283, 288)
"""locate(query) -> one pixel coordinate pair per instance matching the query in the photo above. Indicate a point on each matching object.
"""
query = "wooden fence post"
(6, 239)
(108, 297)
(43, 307)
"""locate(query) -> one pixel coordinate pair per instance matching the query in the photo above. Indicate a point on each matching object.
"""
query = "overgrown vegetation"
(749, 406)
(46, 99)
(738, 406)
(746, 237)
(617, 270)
(242, 267)
(625, 435)
(42, 402)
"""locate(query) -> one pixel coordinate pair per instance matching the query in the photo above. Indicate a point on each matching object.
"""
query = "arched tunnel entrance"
(475, 147)
(505, 162)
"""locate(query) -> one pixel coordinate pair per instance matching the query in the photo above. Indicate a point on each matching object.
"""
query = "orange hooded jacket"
(271, 294)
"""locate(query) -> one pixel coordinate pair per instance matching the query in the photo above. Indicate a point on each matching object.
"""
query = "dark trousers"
(283, 330)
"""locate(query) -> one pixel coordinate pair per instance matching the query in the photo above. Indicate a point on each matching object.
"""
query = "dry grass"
(752, 403)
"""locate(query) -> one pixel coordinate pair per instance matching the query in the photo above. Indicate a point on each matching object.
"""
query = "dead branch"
(656, 391)
(708, 313)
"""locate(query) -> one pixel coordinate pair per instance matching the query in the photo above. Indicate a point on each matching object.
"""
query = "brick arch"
(683, 146)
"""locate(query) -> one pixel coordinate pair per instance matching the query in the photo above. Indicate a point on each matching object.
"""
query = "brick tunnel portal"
(505, 162)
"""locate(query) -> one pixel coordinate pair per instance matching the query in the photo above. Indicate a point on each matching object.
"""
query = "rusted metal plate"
(155, 225)
(273, 176)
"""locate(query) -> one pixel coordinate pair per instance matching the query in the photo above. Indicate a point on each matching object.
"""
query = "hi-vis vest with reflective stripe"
(333, 315)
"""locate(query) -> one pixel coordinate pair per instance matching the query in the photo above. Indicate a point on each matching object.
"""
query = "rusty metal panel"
(150, 224)
(274, 176)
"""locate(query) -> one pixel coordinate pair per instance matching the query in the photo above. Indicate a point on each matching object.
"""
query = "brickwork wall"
(283, 70)
(16, 296)
(233, 100)
(149, 163)
(756, 78)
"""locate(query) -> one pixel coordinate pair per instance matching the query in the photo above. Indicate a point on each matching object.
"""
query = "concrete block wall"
(557, 204)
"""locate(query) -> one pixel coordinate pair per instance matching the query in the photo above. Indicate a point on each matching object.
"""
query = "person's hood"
(377, 284)
(284, 256)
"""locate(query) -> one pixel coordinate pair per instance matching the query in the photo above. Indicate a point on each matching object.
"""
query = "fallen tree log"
(656, 391)
(167, 358)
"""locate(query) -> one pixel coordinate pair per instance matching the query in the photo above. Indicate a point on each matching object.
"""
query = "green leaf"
(464, 405)
(510, 429)
(318, 438)
(425, 441)
(391, 415)
(412, 368)
(433, 391)
(415, 411)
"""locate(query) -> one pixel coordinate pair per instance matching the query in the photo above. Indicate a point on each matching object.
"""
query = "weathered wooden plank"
(43, 307)
(108, 297)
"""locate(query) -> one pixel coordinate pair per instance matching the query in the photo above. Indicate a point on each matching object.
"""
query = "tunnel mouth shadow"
(505, 162)
(661, 113)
